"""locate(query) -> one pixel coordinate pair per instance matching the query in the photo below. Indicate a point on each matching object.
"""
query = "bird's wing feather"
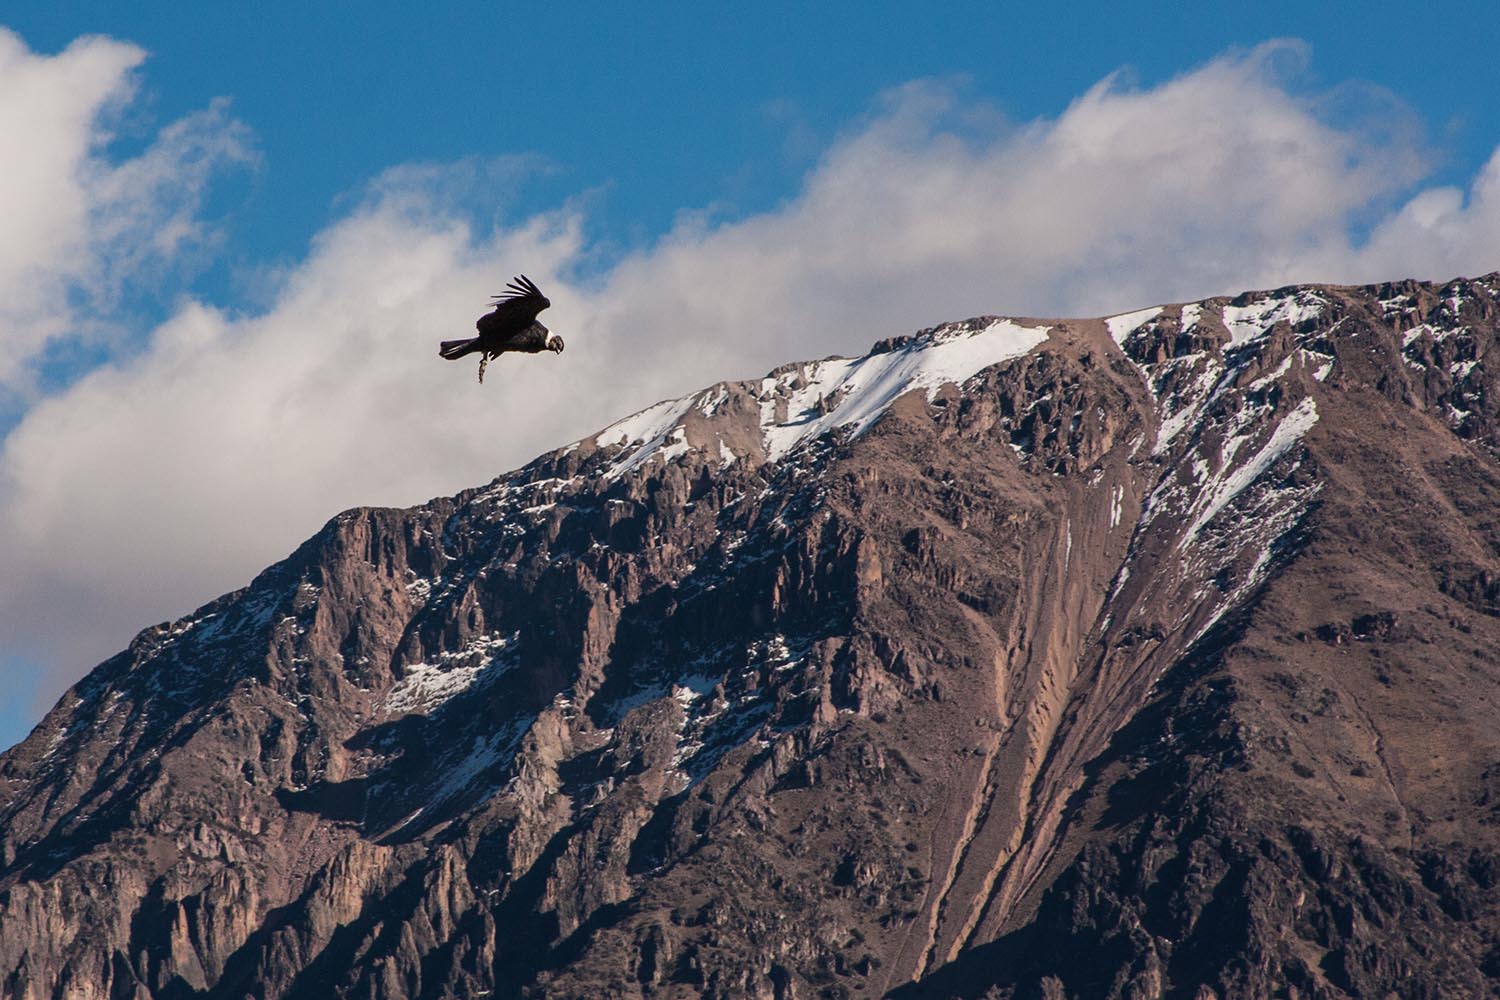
(514, 310)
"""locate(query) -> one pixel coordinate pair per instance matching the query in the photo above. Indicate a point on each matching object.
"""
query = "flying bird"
(510, 326)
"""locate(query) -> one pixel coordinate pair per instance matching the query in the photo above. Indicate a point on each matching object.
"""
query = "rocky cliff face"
(1155, 656)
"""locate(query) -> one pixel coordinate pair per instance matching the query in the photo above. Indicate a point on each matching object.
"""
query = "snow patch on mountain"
(811, 399)
(1247, 323)
(853, 393)
(1180, 411)
(650, 429)
(1233, 479)
(426, 686)
(488, 754)
(1122, 326)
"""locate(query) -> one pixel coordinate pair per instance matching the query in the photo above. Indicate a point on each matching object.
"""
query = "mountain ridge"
(817, 683)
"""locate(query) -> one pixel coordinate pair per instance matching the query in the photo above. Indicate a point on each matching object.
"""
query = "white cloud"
(78, 226)
(155, 483)
(1440, 233)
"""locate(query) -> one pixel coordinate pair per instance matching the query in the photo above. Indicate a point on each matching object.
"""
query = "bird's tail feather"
(455, 349)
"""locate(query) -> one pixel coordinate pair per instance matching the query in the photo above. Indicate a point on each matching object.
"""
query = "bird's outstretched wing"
(515, 309)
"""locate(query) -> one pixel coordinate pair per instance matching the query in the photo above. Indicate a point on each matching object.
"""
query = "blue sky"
(243, 227)
(659, 108)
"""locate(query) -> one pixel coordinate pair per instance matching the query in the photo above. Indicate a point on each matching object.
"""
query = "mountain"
(1151, 656)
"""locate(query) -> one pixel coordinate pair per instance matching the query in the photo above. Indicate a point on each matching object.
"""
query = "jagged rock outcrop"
(1153, 656)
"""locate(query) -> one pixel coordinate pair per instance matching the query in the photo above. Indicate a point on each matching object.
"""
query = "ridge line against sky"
(178, 414)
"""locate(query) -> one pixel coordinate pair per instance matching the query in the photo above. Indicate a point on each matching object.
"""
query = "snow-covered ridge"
(1247, 323)
(808, 400)
(1244, 323)
(854, 393)
(802, 402)
(1125, 324)
(651, 429)
(1205, 376)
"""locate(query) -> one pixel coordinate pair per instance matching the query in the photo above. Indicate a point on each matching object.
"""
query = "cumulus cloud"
(78, 225)
(1441, 232)
(154, 483)
(1220, 179)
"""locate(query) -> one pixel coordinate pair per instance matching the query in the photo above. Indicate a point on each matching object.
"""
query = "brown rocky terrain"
(1156, 656)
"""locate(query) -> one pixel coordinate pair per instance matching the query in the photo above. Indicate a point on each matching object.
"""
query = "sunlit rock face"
(1150, 656)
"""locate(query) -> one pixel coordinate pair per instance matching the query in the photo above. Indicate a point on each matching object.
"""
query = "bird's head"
(554, 343)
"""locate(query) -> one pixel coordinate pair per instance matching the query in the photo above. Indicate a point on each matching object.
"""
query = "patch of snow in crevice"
(109, 708)
(1276, 514)
(1122, 326)
(1191, 313)
(687, 690)
(1413, 334)
(676, 445)
(709, 402)
(1287, 433)
(485, 753)
(623, 706)
(719, 711)
(1265, 380)
(426, 686)
(55, 743)
(1182, 409)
